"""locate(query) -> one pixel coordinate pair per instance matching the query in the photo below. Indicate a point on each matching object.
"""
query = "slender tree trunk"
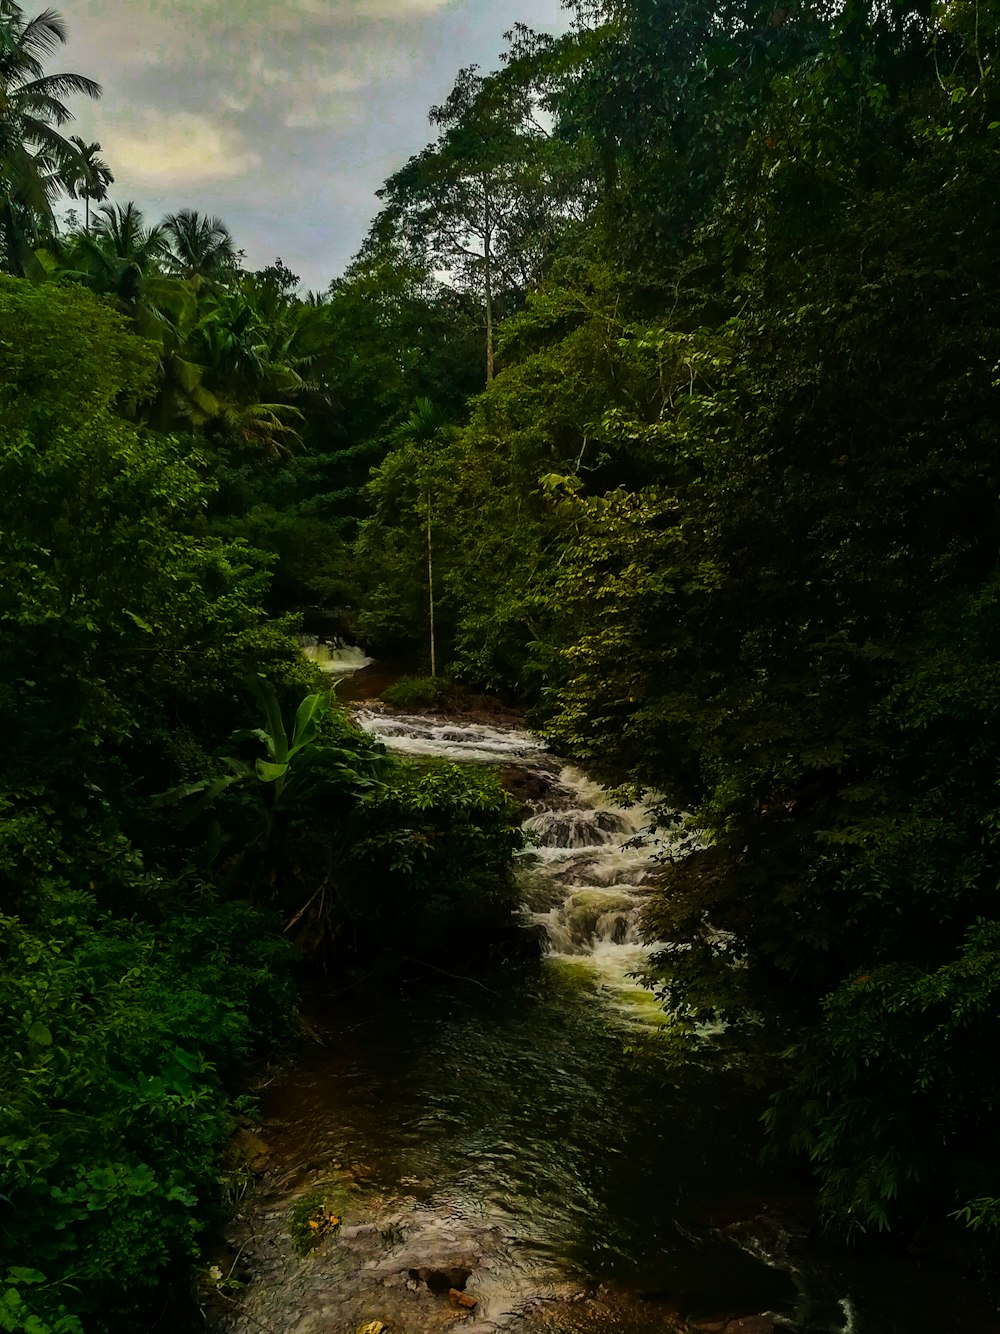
(430, 586)
(488, 277)
(86, 214)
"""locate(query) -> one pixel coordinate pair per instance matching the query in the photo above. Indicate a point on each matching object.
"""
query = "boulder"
(442, 1280)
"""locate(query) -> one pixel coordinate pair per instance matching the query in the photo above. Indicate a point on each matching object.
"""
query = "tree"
(90, 178)
(200, 248)
(119, 253)
(35, 159)
(487, 201)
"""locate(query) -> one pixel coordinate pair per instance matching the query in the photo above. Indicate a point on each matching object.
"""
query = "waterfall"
(334, 656)
(585, 871)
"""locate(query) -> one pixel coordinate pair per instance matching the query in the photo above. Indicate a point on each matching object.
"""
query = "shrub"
(118, 1037)
(418, 692)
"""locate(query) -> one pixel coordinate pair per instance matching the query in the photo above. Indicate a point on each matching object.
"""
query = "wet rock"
(372, 1327)
(535, 788)
(462, 1299)
(580, 828)
(247, 1149)
(751, 1324)
(358, 1230)
(442, 1280)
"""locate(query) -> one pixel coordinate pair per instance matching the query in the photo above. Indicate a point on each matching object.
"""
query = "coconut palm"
(200, 248)
(89, 179)
(120, 253)
(35, 159)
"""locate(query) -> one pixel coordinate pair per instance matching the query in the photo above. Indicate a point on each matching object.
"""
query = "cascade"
(334, 656)
(585, 871)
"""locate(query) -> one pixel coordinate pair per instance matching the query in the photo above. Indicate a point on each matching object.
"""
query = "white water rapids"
(585, 870)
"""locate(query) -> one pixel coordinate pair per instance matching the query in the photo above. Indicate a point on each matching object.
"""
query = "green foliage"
(16, 1303)
(498, 522)
(417, 692)
(118, 1036)
(363, 855)
(79, 360)
(102, 570)
(127, 995)
(311, 1221)
(435, 845)
(911, 1112)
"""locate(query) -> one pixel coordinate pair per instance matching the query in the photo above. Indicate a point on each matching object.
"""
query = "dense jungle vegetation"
(675, 356)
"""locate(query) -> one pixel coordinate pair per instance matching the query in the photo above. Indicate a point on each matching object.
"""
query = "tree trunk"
(430, 586)
(488, 277)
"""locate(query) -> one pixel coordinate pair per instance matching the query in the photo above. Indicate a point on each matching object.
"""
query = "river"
(506, 1139)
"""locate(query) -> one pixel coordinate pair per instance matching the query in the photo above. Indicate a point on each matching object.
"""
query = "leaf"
(270, 773)
(40, 1034)
(308, 717)
(275, 737)
(175, 794)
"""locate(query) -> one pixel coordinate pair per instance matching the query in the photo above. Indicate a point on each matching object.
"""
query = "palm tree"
(120, 252)
(35, 159)
(201, 248)
(89, 179)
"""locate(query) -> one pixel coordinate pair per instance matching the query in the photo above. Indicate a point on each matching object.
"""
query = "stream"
(501, 1156)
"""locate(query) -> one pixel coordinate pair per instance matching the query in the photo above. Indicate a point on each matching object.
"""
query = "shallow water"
(505, 1126)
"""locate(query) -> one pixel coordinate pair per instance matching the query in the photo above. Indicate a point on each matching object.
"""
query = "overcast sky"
(281, 116)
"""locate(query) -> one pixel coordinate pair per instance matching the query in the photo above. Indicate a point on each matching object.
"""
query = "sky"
(282, 117)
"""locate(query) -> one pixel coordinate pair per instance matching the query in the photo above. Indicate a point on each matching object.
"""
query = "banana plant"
(293, 774)
(276, 768)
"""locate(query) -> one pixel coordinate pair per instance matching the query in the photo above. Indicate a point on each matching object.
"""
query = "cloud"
(397, 9)
(179, 148)
(315, 90)
(239, 108)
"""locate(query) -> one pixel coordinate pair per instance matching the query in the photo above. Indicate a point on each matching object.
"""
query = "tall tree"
(486, 202)
(201, 248)
(89, 178)
(35, 159)
(120, 251)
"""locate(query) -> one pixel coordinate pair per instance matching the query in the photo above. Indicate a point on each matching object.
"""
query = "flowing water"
(337, 659)
(501, 1135)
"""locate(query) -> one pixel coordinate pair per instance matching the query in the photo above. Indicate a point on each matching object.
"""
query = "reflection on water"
(513, 1107)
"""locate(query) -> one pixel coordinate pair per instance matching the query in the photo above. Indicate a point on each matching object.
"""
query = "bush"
(418, 692)
(434, 861)
(118, 1038)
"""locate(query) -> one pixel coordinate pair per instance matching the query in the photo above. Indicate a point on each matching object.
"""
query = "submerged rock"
(451, 1279)
(579, 828)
